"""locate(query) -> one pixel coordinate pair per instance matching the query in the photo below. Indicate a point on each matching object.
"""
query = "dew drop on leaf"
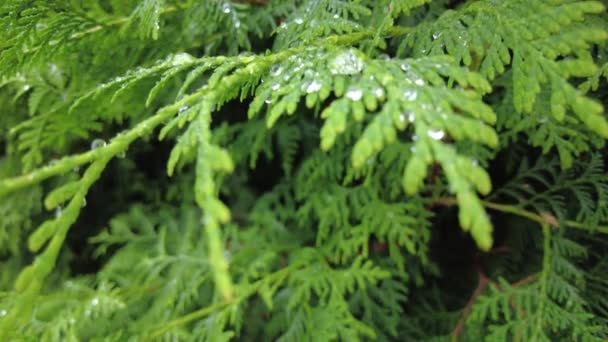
(84, 203)
(354, 93)
(379, 92)
(181, 58)
(3, 313)
(313, 86)
(94, 301)
(410, 94)
(58, 212)
(226, 8)
(97, 143)
(275, 87)
(182, 109)
(299, 21)
(436, 134)
(276, 70)
(346, 63)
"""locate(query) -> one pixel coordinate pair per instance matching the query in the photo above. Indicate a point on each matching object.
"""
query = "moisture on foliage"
(303, 170)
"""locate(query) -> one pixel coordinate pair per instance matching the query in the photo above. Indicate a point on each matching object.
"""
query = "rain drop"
(313, 86)
(275, 87)
(276, 70)
(97, 143)
(346, 63)
(405, 67)
(182, 109)
(410, 94)
(299, 21)
(84, 203)
(411, 117)
(268, 100)
(379, 92)
(58, 211)
(354, 93)
(402, 117)
(181, 58)
(436, 35)
(436, 134)
(226, 8)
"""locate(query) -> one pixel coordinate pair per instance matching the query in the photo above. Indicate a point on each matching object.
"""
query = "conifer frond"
(488, 36)
(313, 160)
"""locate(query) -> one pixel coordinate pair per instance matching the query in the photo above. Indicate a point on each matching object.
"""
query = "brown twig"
(482, 284)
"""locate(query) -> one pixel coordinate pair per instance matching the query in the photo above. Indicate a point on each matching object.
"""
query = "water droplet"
(3, 313)
(26, 87)
(58, 211)
(419, 81)
(313, 86)
(436, 134)
(182, 109)
(413, 148)
(414, 137)
(275, 87)
(379, 92)
(436, 35)
(384, 57)
(336, 16)
(411, 117)
(276, 70)
(237, 24)
(181, 58)
(410, 94)
(97, 143)
(94, 301)
(346, 63)
(354, 93)
(402, 117)
(405, 67)
(84, 203)
(298, 21)
(268, 100)
(226, 8)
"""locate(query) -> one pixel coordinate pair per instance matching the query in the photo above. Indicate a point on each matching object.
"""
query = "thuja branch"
(117, 145)
(122, 141)
(542, 218)
(277, 278)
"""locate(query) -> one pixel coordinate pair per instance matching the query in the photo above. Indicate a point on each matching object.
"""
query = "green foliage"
(287, 170)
